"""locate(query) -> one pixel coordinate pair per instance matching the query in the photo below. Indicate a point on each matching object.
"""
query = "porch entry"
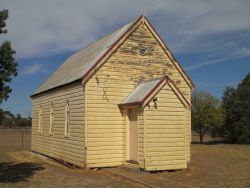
(132, 136)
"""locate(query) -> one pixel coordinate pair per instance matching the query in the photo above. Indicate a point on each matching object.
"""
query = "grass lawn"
(220, 165)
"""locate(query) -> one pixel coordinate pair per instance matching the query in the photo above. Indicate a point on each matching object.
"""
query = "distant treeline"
(7, 119)
(228, 118)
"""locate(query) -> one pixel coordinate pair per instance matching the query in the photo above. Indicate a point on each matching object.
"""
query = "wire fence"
(21, 138)
(15, 137)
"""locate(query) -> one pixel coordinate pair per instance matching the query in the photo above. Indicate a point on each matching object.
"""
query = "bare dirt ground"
(218, 165)
(21, 168)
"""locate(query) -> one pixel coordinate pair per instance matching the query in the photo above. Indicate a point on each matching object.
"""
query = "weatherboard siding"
(188, 134)
(98, 126)
(69, 149)
(111, 84)
(141, 138)
(165, 137)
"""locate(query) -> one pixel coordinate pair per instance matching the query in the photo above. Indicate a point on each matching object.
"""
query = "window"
(67, 120)
(142, 50)
(40, 116)
(51, 120)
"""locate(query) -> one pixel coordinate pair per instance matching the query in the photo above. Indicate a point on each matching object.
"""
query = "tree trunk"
(201, 137)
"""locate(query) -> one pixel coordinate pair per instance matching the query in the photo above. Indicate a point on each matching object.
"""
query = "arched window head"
(40, 118)
(67, 119)
(51, 120)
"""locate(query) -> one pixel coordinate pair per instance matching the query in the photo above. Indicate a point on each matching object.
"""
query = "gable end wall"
(165, 132)
(113, 82)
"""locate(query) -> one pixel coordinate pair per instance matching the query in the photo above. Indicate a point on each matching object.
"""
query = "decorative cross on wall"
(105, 89)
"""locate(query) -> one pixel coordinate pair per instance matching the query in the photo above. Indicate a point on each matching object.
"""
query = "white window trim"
(67, 121)
(51, 122)
(40, 120)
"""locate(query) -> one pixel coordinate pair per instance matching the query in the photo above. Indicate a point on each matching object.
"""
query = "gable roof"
(141, 92)
(146, 90)
(81, 64)
(78, 64)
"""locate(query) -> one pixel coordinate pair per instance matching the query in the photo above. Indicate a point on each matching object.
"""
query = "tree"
(1, 116)
(229, 132)
(7, 119)
(206, 113)
(236, 104)
(3, 17)
(243, 97)
(18, 116)
(8, 65)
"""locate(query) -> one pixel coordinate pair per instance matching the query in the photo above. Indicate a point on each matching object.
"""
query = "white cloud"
(242, 52)
(215, 84)
(238, 53)
(33, 69)
(42, 27)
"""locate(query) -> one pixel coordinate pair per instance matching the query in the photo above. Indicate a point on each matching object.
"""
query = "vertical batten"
(127, 134)
(185, 132)
(124, 137)
(86, 124)
(145, 139)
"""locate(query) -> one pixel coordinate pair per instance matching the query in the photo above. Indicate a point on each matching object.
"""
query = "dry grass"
(219, 165)
(25, 169)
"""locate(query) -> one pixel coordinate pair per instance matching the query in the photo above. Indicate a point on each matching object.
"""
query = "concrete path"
(146, 178)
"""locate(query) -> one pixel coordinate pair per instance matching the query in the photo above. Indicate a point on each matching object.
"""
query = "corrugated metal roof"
(80, 63)
(142, 91)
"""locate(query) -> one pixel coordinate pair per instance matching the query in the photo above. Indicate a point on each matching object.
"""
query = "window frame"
(40, 120)
(67, 120)
(51, 119)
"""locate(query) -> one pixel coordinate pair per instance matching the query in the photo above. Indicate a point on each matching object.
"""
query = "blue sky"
(211, 39)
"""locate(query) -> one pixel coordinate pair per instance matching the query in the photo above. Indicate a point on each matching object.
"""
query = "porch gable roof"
(146, 90)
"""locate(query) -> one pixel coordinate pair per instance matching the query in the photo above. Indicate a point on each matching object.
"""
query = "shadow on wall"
(17, 172)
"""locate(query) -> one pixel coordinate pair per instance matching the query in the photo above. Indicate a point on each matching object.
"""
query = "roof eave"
(87, 74)
(54, 88)
(165, 80)
(142, 102)
(129, 105)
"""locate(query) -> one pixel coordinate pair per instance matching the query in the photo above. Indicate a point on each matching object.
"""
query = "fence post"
(22, 138)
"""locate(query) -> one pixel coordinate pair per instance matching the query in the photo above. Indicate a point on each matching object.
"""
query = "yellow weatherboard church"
(122, 99)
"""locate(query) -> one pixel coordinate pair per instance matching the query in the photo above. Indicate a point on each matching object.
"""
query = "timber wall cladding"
(141, 138)
(165, 132)
(69, 149)
(117, 77)
(188, 133)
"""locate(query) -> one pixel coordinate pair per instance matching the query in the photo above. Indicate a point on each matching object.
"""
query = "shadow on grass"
(16, 172)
